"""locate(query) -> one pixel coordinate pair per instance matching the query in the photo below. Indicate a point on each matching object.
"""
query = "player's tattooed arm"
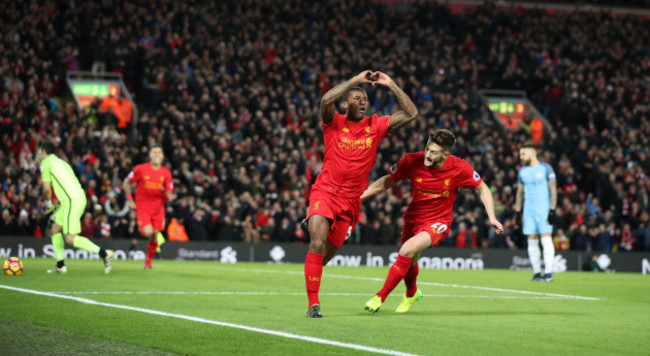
(379, 186)
(408, 110)
(330, 98)
(552, 186)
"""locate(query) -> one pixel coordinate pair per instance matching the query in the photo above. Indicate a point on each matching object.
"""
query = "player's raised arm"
(327, 103)
(488, 201)
(408, 110)
(379, 186)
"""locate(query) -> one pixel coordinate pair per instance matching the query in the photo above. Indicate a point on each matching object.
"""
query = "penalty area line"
(214, 322)
(543, 294)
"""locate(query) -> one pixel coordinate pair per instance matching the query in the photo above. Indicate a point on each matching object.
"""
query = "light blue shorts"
(537, 223)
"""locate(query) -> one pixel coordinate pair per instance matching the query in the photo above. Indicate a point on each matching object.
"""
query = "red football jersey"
(350, 154)
(434, 190)
(151, 186)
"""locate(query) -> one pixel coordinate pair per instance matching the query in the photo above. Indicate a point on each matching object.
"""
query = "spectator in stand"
(561, 241)
(88, 225)
(104, 227)
(603, 239)
(627, 240)
(580, 239)
(7, 223)
(643, 232)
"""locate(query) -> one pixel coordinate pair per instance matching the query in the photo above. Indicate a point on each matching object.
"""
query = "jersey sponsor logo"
(393, 169)
(153, 185)
(356, 144)
(433, 193)
(476, 177)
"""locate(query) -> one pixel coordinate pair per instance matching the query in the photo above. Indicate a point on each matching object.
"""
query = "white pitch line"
(565, 296)
(302, 294)
(215, 322)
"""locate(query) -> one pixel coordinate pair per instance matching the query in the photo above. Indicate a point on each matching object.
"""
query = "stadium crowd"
(234, 101)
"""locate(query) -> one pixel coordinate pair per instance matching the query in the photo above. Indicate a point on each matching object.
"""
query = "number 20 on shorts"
(439, 227)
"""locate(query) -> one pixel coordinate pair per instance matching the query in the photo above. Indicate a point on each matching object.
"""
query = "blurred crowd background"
(231, 89)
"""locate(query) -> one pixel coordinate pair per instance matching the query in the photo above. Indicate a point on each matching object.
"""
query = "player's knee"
(69, 239)
(317, 245)
(55, 230)
(408, 250)
(148, 231)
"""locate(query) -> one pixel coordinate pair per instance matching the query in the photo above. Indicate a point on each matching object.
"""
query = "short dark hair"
(347, 95)
(47, 146)
(156, 145)
(529, 145)
(443, 138)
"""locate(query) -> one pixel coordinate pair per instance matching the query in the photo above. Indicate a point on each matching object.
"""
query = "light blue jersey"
(537, 197)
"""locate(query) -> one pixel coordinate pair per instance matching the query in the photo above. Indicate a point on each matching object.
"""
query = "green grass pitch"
(208, 308)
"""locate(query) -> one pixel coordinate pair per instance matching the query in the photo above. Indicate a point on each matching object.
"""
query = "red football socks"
(396, 273)
(313, 273)
(151, 250)
(411, 280)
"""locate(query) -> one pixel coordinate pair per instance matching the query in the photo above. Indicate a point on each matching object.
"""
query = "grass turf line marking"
(214, 322)
(566, 296)
(302, 294)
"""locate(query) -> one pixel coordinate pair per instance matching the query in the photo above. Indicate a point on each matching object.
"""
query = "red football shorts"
(438, 230)
(155, 219)
(342, 212)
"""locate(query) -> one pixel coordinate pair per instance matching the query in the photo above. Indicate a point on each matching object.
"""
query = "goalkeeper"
(58, 175)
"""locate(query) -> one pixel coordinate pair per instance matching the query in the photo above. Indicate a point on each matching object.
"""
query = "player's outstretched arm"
(408, 110)
(330, 98)
(379, 186)
(488, 201)
(171, 196)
